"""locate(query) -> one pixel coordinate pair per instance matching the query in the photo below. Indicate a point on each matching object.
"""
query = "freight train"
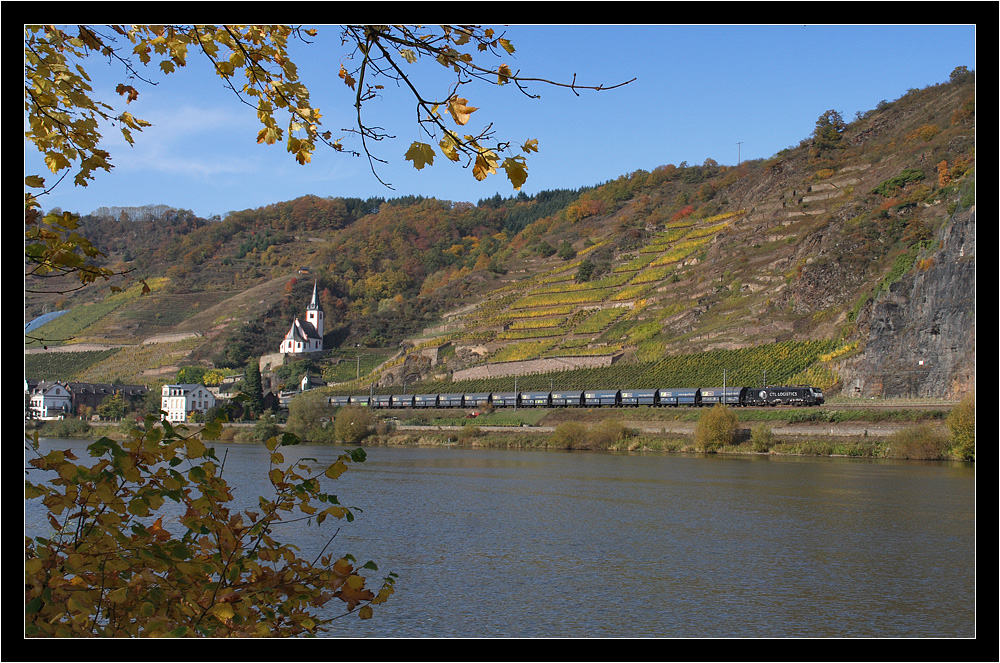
(664, 397)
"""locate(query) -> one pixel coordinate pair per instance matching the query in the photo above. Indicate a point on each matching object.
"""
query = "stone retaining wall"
(549, 365)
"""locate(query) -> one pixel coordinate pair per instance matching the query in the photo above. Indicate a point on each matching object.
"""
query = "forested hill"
(823, 242)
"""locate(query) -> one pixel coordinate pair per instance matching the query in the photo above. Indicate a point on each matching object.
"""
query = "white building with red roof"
(305, 335)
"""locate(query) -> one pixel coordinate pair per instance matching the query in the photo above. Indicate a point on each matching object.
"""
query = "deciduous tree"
(145, 541)
(962, 424)
(716, 427)
(65, 118)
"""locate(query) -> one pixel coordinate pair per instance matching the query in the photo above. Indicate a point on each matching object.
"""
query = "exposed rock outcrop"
(921, 335)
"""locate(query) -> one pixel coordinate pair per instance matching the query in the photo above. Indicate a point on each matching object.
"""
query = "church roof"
(302, 331)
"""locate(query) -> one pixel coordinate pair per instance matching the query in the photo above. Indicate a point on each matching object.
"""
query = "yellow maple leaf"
(486, 164)
(517, 173)
(449, 147)
(353, 592)
(421, 154)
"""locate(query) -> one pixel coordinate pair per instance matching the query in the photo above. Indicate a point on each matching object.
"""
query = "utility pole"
(739, 159)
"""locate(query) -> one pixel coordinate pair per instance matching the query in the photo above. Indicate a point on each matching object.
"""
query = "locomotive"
(664, 397)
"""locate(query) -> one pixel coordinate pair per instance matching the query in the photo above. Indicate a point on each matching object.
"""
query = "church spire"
(314, 304)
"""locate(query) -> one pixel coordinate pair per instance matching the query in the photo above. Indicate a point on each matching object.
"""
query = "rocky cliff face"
(921, 335)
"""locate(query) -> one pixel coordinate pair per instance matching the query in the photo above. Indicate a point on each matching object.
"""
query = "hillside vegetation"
(772, 269)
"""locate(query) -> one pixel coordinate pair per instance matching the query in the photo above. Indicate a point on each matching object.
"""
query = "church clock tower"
(314, 315)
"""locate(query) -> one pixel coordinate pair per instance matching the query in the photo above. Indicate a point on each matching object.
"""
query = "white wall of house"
(180, 400)
(49, 401)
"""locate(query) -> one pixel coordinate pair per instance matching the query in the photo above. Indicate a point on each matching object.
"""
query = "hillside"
(847, 261)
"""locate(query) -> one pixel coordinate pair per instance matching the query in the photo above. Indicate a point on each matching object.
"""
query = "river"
(499, 543)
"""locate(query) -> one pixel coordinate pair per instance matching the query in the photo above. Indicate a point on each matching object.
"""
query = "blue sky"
(701, 91)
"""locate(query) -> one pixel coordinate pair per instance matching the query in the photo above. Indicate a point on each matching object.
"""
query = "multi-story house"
(179, 401)
(92, 395)
(47, 400)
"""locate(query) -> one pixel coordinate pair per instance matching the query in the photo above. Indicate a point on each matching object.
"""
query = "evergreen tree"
(566, 251)
(252, 388)
(827, 134)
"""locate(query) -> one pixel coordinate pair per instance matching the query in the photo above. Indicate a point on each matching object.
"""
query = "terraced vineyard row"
(537, 317)
(76, 323)
(64, 366)
(128, 364)
(781, 362)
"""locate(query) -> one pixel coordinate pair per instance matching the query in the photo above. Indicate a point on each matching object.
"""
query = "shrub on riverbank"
(353, 424)
(310, 416)
(962, 423)
(569, 435)
(605, 434)
(761, 438)
(923, 442)
(61, 428)
(850, 448)
(716, 428)
(263, 429)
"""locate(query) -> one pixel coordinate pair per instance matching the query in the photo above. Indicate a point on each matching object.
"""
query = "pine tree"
(252, 388)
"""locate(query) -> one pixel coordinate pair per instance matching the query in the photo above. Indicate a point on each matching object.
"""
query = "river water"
(499, 543)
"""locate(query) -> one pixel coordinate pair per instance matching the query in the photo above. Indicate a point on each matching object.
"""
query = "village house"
(179, 401)
(54, 399)
(91, 395)
(305, 384)
(46, 400)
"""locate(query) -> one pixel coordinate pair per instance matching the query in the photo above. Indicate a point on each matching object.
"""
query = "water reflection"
(492, 543)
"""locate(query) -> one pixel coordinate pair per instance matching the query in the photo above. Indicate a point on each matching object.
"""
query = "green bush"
(65, 428)
(891, 186)
(716, 428)
(468, 433)
(263, 429)
(761, 438)
(353, 424)
(962, 424)
(310, 417)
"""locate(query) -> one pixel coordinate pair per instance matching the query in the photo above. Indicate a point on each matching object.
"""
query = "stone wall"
(510, 368)
(271, 361)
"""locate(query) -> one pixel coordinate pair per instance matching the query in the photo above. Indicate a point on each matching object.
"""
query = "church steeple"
(314, 315)
(314, 304)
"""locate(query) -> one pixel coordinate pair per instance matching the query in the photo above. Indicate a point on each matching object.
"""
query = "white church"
(305, 336)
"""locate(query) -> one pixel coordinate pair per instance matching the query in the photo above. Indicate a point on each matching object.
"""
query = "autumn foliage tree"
(962, 425)
(716, 428)
(65, 118)
(144, 540)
